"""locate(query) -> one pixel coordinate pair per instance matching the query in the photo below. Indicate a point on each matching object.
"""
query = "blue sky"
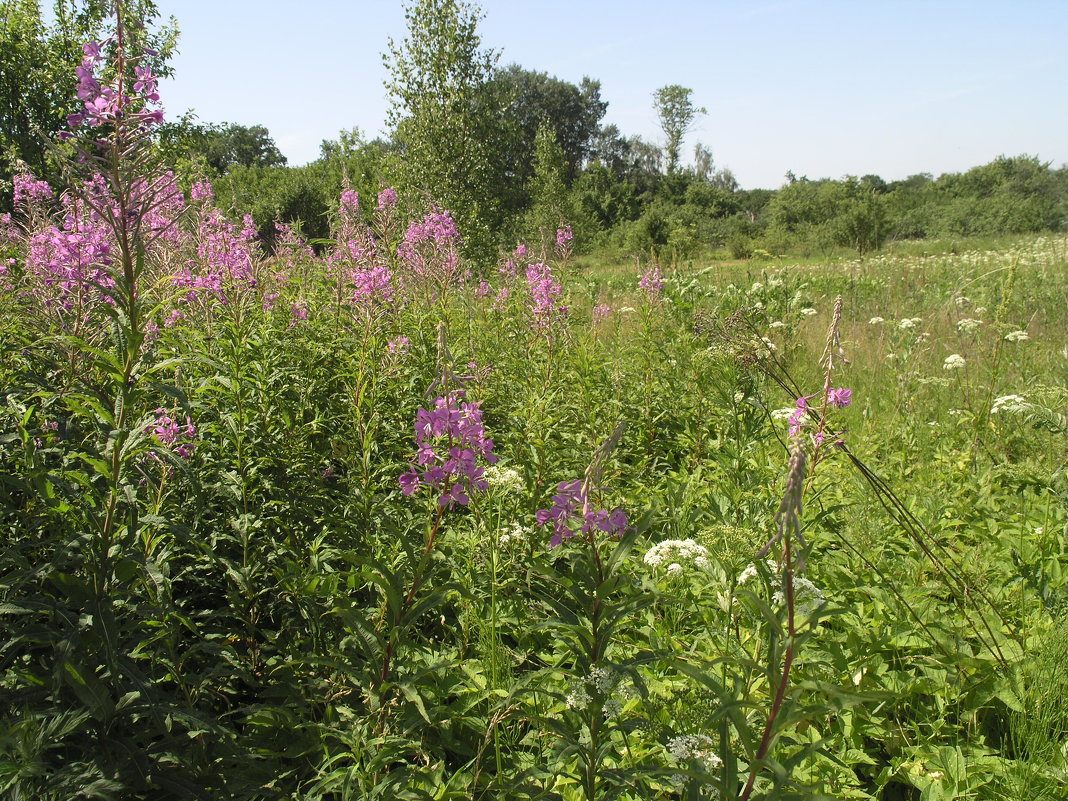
(823, 89)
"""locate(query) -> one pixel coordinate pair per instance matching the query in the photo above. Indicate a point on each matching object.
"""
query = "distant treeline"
(617, 196)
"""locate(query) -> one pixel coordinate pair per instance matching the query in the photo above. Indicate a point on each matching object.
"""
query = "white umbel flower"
(953, 362)
(1009, 404)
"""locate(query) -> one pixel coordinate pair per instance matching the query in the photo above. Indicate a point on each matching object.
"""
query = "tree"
(548, 191)
(220, 145)
(444, 116)
(37, 70)
(676, 113)
(573, 112)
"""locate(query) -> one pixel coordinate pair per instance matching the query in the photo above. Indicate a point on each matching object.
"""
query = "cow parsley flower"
(504, 478)
(1010, 404)
(876, 321)
(696, 747)
(1017, 336)
(968, 325)
(953, 362)
(676, 554)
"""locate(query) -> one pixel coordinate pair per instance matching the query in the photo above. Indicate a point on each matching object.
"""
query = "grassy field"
(360, 526)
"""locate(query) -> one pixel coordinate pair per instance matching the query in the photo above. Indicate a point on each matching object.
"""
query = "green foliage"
(536, 98)
(444, 115)
(220, 146)
(825, 214)
(676, 113)
(550, 201)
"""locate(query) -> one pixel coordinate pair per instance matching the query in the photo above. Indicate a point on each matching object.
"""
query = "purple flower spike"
(451, 448)
(571, 514)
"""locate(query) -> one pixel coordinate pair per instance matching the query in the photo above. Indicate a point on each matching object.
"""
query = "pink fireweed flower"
(571, 513)
(202, 191)
(652, 282)
(399, 345)
(172, 435)
(545, 292)
(601, 312)
(429, 256)
(387, 199)
(483, 290)
(298, 311)
(104, 104)
(564, 241)
(373, 285)
(840, 397)
(500, 301)
(350, 200)
(29, 190)
(451, 447)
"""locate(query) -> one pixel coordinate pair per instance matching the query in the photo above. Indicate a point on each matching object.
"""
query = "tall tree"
(548, 190)
(573, 112)
(444, 115)
(676, 113)
(221, 146)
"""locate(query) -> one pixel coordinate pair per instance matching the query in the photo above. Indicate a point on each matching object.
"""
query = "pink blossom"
(450, 444)
(387, 199)
(840, 397)
(545, 292)
(652, 282)
(571, 513)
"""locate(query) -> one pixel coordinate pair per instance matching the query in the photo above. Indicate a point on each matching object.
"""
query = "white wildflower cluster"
(514, 536)
(807, 595)
(1010, 404)
(876, 321)
(503, 478)
(808, 311)
(777, 324)
(765, 348)
(953, 362)
(757, 287)
(604, 682)
(696, 747)
(751, 571)
(578, 698)
(968, 325)
(676, 554)
(774, 283)
(980, 310)
(962, 301)
(908, 323)
(602, 679)
(782, 415)
(1017, 336)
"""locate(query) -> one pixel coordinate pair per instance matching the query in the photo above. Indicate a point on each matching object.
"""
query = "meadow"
(377, 521)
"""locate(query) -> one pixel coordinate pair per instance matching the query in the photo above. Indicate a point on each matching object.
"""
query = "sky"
(817, 87)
